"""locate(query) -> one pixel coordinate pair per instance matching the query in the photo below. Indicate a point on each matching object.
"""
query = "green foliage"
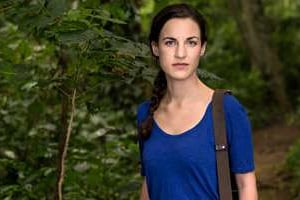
(293, 160)
(293, 166)
(48, 50)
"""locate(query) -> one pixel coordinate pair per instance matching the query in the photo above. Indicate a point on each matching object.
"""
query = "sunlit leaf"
(29, 85)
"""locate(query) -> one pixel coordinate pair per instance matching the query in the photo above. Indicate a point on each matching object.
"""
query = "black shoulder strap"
(224, 182)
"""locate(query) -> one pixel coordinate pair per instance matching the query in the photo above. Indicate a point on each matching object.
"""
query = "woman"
(175, 127)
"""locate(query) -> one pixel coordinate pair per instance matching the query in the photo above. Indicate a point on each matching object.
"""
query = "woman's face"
(179, 48)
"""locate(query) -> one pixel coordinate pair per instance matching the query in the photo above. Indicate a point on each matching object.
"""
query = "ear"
(154, 47)
(203, 48)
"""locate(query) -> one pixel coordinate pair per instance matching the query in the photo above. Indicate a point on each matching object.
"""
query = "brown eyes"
(171, 43)
(192, 43)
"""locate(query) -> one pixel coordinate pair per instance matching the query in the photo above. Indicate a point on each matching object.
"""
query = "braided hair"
(159, 90)
(160, 82)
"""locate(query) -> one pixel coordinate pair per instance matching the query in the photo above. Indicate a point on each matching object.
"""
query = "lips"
(180, 65)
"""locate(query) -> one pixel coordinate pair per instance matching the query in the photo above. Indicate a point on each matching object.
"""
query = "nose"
(180, 51)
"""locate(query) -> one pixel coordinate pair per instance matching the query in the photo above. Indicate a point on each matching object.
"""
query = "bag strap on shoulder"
(221, 145)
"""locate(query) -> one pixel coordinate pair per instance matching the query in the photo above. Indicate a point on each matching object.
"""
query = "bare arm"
(247, 186)
(144, 191)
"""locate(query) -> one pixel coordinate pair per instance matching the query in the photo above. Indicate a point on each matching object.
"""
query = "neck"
(180, 92)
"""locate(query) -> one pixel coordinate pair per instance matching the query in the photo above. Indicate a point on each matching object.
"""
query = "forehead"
(180, 27)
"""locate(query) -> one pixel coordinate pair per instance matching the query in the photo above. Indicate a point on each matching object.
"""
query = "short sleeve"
(239, 136)
(142, 111)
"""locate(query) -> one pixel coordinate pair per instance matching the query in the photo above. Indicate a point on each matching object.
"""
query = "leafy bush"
(293, 165)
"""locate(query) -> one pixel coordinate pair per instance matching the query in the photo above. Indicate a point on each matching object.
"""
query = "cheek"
(164, 51)
(165, 55)
(196, 54)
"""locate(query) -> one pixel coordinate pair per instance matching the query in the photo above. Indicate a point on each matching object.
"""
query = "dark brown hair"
(160, 82)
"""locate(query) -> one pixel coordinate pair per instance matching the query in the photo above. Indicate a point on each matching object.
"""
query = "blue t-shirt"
(183, 166)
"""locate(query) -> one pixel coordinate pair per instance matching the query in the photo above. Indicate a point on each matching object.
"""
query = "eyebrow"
(189, 38)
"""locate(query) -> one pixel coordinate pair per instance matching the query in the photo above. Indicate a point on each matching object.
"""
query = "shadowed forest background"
(72, 73)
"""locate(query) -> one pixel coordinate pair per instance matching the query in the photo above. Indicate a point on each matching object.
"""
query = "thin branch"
(62, 91)
(63, 152)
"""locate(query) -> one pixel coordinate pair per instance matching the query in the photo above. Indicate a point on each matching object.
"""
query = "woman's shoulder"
(143, 106)
(142, 109)
(232, 104)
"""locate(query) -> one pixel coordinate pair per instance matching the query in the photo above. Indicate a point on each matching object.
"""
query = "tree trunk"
(255, 31)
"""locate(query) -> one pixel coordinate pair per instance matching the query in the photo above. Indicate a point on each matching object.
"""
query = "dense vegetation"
(89, 60)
